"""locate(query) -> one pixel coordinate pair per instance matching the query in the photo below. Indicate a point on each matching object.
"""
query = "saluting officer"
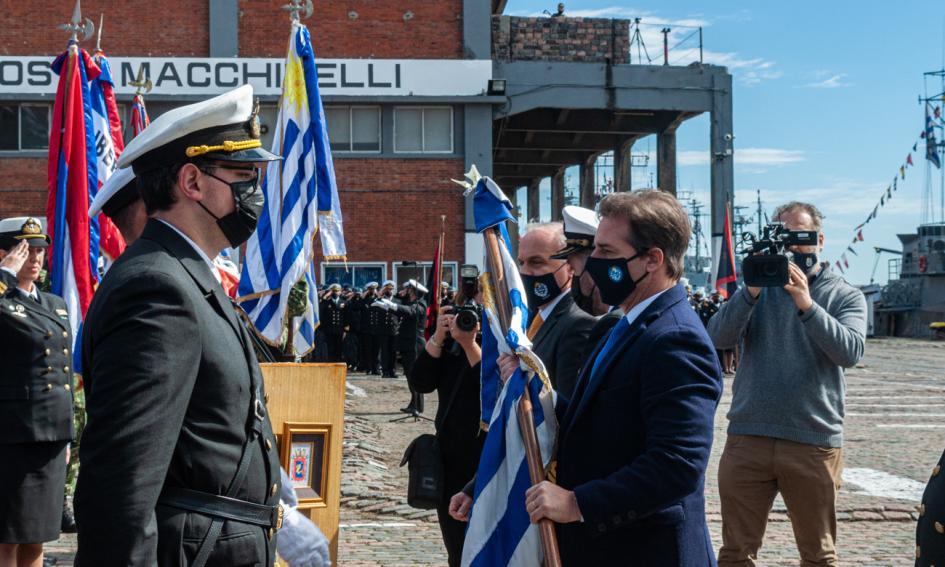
(179, 464)
(35, 397)
(370, 346)
(386, 325)
(332, 313)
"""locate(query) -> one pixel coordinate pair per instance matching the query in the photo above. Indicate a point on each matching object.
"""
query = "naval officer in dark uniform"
(332, 310)
(179, 464)
(580, 227)
(930, 530)
(35, 397)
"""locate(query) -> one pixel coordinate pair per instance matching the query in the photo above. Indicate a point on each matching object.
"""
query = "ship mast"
(931, 99)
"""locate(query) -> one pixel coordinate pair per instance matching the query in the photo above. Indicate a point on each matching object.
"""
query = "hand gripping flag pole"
(517, 446)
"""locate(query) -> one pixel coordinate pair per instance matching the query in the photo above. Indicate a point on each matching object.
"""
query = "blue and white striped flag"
(499, 531)
(300, 193)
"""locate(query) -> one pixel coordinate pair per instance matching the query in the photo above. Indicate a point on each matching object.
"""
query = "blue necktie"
(619, 329)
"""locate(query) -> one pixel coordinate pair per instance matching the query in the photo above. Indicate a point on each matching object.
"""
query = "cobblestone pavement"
(894, 434)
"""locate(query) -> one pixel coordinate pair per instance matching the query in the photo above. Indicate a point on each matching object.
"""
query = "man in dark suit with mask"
(635, 436)
(179, 464)
(558, 328)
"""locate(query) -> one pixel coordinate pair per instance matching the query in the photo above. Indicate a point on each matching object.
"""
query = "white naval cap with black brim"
(580, 227)
(17, 229)
(119, 191)
(225, 128)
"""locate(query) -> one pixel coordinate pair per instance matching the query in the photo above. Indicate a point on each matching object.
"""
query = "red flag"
(139, 115)
(109, 147)
(859, 235)
(725, 278)
(71, 174)
(839, 267)
(909, 159)
(844, 258)
(433, 285)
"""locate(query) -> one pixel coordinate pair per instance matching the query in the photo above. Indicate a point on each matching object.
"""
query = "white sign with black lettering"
(210, 76)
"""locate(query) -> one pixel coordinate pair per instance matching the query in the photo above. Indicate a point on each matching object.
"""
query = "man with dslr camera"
(785, 428)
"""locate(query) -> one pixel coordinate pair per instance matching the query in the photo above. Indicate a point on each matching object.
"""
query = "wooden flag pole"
(536, 472)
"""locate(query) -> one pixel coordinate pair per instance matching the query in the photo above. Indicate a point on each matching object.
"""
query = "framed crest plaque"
(304, 451)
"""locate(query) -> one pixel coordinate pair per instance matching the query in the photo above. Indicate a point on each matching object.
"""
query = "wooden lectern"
(307, 404)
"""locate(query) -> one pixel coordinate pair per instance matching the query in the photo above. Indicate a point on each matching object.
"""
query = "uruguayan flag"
(499, 531)
(299, 191)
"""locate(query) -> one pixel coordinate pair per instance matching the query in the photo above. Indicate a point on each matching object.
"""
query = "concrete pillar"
(588, 190)
(224, 26)
(533, 211)
(666, 160)
(622, 153)
(515, 230)
(557, 194)
(722, 154)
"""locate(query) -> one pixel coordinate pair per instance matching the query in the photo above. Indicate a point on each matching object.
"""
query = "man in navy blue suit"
(635, 437)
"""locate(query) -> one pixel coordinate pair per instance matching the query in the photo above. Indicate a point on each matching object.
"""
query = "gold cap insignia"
(31, 227)
(254, 129)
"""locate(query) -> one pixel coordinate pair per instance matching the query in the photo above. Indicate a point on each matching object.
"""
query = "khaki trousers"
(752, 471)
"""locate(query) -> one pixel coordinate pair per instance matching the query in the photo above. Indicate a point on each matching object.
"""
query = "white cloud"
(833, 82)
(758, 158)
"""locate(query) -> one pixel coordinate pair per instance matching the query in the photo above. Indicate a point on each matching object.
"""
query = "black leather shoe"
(49, 561)
(68, 519)
(408, 409)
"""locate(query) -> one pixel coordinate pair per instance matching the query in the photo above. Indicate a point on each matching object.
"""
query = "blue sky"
(825, 105)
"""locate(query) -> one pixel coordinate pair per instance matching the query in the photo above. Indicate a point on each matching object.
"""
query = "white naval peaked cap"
(224, 127)
(108, 198)
(30, 229)
(417, 286)
(580, 227)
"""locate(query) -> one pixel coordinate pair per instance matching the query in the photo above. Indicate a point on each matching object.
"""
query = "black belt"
(223, 507)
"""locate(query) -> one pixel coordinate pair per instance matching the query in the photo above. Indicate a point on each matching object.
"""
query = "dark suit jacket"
(601, 329)
(560, 343)
(168, 373)
(634, 443)
(36, 382)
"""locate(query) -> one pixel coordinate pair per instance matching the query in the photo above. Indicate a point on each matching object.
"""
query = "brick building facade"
(392, 194)
(415, 91)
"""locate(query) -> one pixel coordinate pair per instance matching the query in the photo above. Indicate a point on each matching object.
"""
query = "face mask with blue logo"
(612, 277)
(539, 290)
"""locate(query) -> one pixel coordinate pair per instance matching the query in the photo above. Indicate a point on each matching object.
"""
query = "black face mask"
(239, 225)
(612, 277)
(541, 289)
(585, 302)
(805, 262)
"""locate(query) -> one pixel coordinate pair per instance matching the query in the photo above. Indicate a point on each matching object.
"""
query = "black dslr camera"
(467, 317)
(766, 263)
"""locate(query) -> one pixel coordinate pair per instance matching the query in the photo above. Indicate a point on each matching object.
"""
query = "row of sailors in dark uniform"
(368, 329)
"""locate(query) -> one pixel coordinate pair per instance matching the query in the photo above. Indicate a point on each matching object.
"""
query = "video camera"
(766, 263)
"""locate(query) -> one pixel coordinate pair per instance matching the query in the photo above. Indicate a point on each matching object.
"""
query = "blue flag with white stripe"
(300, 191)
(499, 531)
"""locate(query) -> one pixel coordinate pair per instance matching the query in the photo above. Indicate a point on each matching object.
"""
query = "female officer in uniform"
(35, 397)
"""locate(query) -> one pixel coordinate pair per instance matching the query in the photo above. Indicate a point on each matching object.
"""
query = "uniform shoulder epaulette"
(3, 288)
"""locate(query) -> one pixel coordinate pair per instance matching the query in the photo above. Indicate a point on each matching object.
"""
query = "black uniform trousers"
(333, 340)
(388, 344)
(408, 356)
(372, 353)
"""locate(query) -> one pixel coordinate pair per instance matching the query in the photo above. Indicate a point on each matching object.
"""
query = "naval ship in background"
(913, 300)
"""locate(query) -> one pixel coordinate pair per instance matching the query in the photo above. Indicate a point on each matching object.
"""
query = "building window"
(423, 129)
(355, 274)
(354, 128)
(24, 126)
(420, 271)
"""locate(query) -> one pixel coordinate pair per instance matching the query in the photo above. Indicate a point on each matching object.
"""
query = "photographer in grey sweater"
(786, 421)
